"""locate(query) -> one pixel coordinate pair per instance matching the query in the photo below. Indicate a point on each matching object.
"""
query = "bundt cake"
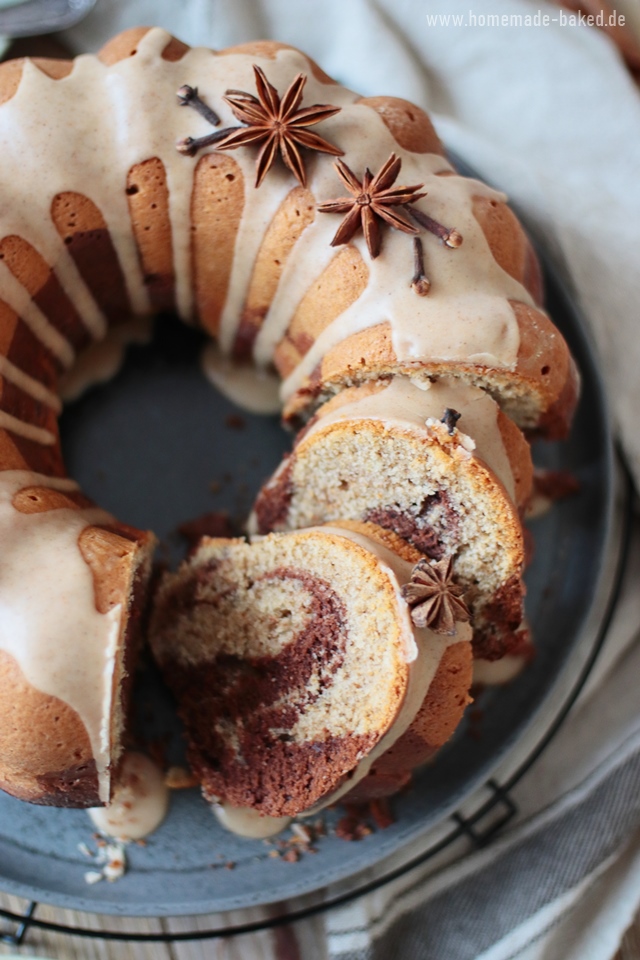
(443, 468)
(297, 667)
(247, 191)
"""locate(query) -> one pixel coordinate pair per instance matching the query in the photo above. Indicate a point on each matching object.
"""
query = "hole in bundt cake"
(150, 444)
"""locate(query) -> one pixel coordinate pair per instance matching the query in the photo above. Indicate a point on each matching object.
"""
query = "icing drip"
(25, 429)
(246, 822)
(256, 391)
(102, 360)
(139, 804)
(495, 673)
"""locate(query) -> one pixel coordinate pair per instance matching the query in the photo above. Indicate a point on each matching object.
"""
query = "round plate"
(157, 446)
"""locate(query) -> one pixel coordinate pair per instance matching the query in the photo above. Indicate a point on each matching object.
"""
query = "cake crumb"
(109, 856)
(179, 778)
(291, 856)
(381, 813)
(301, 832)
(361, 819)
(216, 523)
(235, 422)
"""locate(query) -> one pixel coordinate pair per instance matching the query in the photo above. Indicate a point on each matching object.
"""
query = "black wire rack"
(479, 828)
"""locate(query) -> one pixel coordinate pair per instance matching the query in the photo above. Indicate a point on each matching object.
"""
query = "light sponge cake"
(441, 467)
(295, 663)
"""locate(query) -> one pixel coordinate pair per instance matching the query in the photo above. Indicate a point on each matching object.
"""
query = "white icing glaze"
(256, 391)
(48, 613)
(25, 429)
(16, 296)
(538, 506)
(246, 822)
(404, 406)
(30, 386)
(495, 673)
(102, 360)
(140, 801)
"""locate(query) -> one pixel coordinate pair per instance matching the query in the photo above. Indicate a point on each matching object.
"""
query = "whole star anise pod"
(278, 124)
(434, 597)
(371, 201)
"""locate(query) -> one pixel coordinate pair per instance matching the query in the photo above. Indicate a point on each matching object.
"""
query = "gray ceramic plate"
(157, 445)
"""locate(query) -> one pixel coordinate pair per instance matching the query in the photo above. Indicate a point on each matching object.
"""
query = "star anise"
(278, 125)
(434, 597)
(371, 200)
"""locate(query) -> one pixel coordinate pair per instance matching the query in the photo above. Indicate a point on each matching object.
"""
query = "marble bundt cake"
(297, 667)
(123, 199)
(381, 452)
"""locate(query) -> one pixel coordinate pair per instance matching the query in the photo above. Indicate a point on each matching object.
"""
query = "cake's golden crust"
(269, 50)
(45, 754)
(83, 229)
(217, 203)
(509, 243)
(125, 45)
(42, 499)
(338, 286)
(37, 277)
(15, 401)
(24, 350)
(148, 199)
(411, 126)
(19, 453)
(11, 73)
(519, 455)
(111, 555)
(295, 213)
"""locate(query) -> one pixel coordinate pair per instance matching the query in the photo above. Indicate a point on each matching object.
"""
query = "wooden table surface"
(270, 945)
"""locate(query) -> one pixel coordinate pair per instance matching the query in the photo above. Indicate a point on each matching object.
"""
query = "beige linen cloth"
(550, 114)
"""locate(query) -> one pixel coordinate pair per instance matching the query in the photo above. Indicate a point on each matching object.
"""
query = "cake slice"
(296, 665)
(443, 468)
